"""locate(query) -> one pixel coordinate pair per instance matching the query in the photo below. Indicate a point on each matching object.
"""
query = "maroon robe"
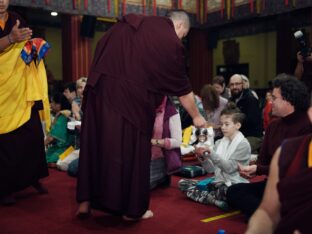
(22, 154)
(138, 61)
(295, 186)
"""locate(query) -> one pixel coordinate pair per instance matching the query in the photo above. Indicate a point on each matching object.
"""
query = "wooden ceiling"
(204, 13)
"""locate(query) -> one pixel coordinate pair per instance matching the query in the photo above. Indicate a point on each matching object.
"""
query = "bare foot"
(148, 214)
(84, 210)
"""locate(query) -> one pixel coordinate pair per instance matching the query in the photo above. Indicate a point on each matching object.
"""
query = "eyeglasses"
(236, 84)
(274, 98)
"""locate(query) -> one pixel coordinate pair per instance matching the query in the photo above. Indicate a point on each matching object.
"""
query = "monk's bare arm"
(267, 216)
(188, 102)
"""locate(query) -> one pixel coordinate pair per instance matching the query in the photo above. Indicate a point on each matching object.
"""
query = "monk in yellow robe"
(23, 95)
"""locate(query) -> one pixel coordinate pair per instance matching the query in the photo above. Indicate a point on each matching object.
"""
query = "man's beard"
(237, 94)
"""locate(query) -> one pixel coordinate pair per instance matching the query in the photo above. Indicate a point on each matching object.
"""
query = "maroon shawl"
(295, 186)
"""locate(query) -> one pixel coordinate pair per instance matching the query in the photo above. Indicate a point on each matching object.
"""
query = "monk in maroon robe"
(136, 63)
(22, 154)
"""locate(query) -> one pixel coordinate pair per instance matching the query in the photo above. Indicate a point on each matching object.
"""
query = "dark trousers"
(246, 197)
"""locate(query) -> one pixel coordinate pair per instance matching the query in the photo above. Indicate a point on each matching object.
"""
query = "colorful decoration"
(116, 5)
(260, 6)
(205, 10)
(144, 7)
(228, 8)
(222, 8)
(251, 4)
(154, 7)
(123, 7)
(294, 2)
(199, 14)
(85, 4)
(198, 9)
(179, 4)
(74, 4)
(108, 7)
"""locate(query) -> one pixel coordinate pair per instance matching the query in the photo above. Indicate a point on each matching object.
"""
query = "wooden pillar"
(284, 42)
(200, 59)
(76, 50)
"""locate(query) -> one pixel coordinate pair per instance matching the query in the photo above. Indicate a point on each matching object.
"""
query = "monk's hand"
(19, 34)
(247, 171)
(199, 122)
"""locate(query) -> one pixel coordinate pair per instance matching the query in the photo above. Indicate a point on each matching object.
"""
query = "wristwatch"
(157, 143)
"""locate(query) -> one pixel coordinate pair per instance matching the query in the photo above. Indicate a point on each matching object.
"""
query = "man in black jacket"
(249, 105)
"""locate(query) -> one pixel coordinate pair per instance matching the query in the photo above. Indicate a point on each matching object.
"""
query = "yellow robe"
(20, 86)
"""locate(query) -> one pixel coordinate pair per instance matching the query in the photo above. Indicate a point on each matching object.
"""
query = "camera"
(305, 49)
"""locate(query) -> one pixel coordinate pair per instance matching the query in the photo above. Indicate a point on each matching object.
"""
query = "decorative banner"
(205, 10)
(116, 7)
(228, 8)
(167, 4)
(258, 6)
(251, 4)
(179, 4)
(85, 4)
(76, 4)
(154, 7)
(135, 2)
(191, 6)
(108, 7)
(143, 7)
(149, 6)
(199, 11)
(123, 7)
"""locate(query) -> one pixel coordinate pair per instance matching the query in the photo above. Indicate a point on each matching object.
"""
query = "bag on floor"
(192, 171)
(203, 184)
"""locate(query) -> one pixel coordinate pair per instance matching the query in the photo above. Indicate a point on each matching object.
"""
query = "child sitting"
(230, 150)
(58, 139)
